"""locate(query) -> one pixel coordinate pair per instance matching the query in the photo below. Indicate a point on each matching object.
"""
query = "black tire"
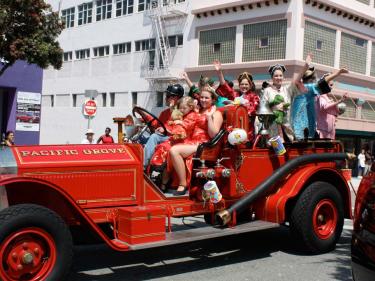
(20, 219)
(326, 198)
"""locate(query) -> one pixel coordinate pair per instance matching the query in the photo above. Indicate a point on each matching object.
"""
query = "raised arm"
(185, 76)
(327, 105)
(308, 60)
(219, 70)
(335, 74)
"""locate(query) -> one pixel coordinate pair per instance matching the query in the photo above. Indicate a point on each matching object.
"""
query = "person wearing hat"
(245, 94)
(303, 109)
(279, 96)
(194, 91)
(89, 137)
(172, 94)
(327, 111)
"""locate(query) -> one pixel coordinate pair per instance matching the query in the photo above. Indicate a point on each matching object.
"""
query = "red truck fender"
(40, 192)
(279, 204)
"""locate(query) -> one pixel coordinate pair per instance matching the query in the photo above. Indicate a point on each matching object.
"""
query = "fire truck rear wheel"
(35, 244)
(317, 218)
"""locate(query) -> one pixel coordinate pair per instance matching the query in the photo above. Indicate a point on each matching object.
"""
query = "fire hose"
(225, 216)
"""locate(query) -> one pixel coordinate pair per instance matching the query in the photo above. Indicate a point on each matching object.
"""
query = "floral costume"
(287, 92)
(303, 111)
(252, 103)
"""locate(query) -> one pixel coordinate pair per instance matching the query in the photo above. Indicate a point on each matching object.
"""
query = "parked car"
(27, 117)
(363, 239)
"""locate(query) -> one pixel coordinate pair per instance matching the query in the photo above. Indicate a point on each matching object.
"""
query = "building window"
(159, 99)
(353, 53)
(319, 45)
(47, 100)
(172, 41)
(74, 96)
(264, 41)
(124, 7)
(101, 51)
(134, 98)
(217, 44)
(144, 5)
(315, 36)
(103, 9)
(180, 40)
(145, 45)
(175, 40)
(367, 2)
(217, 47)
(104, 99)
(68, 17)
(82, 54)
(85, 13)
(151, 60)
(360, 42)
(112, 99)
(67, 56)
(122, 48)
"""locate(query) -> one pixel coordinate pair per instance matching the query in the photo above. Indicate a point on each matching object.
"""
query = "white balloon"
(237, 136)
(341, 107)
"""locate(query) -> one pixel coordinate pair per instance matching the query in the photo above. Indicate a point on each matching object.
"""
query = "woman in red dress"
(180, 131)
(208, 124)
(246, 94)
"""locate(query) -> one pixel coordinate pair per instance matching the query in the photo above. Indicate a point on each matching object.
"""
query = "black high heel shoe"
(163, 188)
(181, 192)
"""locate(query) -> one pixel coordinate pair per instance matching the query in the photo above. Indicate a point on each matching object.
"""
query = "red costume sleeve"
(253, 101)
(226, 91)
(189, 122)
(178, 132)
(165, 116)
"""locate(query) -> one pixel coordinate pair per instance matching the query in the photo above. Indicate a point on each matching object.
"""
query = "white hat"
(89, 131)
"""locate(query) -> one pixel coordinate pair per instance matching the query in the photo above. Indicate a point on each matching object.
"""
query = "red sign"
(89, 108)
(60, 155)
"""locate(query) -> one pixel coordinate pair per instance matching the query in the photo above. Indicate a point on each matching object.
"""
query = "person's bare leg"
(178, 153)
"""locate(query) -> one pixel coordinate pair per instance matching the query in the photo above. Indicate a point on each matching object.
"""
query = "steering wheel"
(152, 122)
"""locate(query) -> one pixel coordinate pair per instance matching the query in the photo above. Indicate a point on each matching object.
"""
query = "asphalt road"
(262, 255)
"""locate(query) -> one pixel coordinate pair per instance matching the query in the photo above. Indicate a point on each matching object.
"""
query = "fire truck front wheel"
(35, 244)
(317, 218)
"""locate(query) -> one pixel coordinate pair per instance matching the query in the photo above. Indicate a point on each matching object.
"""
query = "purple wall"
(21, 77)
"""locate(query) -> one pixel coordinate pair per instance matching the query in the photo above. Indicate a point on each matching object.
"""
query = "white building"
(117, 48)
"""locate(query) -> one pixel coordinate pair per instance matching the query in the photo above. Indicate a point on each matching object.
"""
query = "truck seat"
(210, 150)
(234, 116)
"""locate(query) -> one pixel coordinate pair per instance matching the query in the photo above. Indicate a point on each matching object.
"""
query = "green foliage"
(29, 31)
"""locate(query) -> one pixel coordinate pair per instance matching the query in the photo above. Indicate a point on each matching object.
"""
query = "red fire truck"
(49, 192)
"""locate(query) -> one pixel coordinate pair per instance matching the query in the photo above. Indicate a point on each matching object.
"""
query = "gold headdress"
(245, 75)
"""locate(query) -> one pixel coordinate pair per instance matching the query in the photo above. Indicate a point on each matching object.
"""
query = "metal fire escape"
(159, 12)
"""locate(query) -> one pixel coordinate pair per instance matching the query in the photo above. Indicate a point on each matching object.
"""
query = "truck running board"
(198, 230)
